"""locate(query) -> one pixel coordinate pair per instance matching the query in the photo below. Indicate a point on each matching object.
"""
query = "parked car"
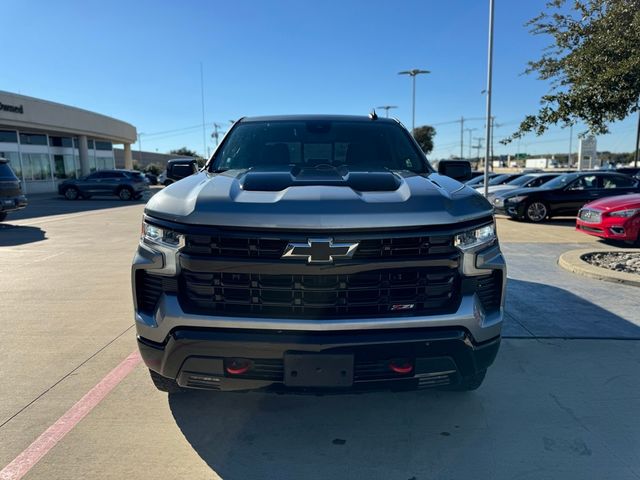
(152, 179)
(177, 169)
(614, 218)
(318, 253)
(631, 171)
(125, 184)
(11, 196)
(479, 179)
(563, 196)
(498, 179)
(530, 180)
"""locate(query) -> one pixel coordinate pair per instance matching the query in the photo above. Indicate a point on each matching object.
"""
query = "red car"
(615, 218)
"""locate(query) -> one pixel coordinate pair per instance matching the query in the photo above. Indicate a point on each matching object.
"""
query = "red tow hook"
(401, 365)
(237, 366)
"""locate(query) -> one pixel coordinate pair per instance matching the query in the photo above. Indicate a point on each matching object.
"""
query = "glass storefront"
(39, 158)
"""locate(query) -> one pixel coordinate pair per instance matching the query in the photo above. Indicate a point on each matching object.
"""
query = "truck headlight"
(162, 236)
(476, 237)
(625, 213)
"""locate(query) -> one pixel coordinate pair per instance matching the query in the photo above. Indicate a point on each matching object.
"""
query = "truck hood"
(317, 199)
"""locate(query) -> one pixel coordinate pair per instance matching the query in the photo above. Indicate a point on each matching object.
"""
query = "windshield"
(523, 180)
(498, 180)
(561, 181)
(321, 143)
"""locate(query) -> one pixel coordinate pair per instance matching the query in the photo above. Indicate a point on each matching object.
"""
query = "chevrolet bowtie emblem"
(320, 250)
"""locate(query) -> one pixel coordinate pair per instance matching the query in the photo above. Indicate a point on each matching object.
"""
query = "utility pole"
(413, 74)
(489, 91)
(470, 130)
(478, 147)
(216, 134)
(461, 138)
(386, 108)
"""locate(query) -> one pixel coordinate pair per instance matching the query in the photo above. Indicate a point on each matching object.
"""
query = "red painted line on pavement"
(24, 462)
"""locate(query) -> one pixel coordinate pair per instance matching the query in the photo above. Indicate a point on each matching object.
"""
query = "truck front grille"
(225, 246)
(398, 291)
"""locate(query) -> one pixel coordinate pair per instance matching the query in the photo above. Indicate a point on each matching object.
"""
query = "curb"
(573, 262)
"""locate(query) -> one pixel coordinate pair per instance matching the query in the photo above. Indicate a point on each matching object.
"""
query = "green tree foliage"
(184, 151)
(424, 136)
(593, 64)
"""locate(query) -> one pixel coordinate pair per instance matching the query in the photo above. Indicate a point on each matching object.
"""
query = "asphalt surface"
(558, 403)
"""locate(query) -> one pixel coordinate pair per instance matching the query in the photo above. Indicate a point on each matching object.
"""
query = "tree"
(593, 64)
(424, 136)
(184, 151)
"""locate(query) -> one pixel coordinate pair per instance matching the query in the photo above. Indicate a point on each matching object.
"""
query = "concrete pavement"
(550, 408)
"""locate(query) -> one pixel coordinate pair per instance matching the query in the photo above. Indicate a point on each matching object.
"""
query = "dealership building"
(47, 142)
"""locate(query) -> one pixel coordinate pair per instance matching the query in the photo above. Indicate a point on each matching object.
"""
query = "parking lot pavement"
(550, 408)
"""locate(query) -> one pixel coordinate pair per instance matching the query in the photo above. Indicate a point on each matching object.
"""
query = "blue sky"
(140, 62)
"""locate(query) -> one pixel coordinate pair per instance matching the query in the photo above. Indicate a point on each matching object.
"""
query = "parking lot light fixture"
(413, 74)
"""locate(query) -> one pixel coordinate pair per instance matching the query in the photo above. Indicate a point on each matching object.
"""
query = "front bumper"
(177, 342)
(196, 358)
(612, 228)
(9, 204)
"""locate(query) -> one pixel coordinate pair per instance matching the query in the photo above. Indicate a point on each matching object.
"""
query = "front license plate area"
(318, 370)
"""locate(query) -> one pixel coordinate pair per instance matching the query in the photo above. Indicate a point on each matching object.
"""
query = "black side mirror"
(457, 169)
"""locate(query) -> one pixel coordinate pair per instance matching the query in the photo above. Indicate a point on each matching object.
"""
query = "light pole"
(489, 91)
(570, 145)
(387, 108)
(413, 74)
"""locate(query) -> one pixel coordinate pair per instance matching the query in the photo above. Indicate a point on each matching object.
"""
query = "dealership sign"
(11, 108)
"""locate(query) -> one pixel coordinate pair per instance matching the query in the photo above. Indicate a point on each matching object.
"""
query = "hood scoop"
(276, 181)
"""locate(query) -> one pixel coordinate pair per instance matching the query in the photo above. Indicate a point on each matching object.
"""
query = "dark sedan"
(125, 184)
(564, 195)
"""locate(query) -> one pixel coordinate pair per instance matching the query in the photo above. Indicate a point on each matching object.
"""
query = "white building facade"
(47, 142)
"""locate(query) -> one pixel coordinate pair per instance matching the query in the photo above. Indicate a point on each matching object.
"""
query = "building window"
(8, 136)
(60, 142)
(36, 166)
(33, 139)
(76, 143)
(66, 166)
(14, 162)
(103, 145)
(105, 163)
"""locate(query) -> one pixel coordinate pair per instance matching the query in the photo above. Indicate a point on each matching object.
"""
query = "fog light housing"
(237, 366)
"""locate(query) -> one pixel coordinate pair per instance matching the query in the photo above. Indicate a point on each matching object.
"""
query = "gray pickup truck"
(318, 253)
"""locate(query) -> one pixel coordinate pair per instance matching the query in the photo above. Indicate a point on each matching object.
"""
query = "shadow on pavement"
(418, 434)
(12, 235)
(539, 310)
(50, 204)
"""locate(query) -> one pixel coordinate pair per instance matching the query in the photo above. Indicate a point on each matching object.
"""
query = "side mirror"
(457, 169)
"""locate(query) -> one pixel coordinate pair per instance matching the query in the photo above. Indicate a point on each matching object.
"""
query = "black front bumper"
(196, 358)
(514, 210)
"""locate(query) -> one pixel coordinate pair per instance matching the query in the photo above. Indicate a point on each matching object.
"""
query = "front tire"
(71, 193)
(536, 212)
(164, 384)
